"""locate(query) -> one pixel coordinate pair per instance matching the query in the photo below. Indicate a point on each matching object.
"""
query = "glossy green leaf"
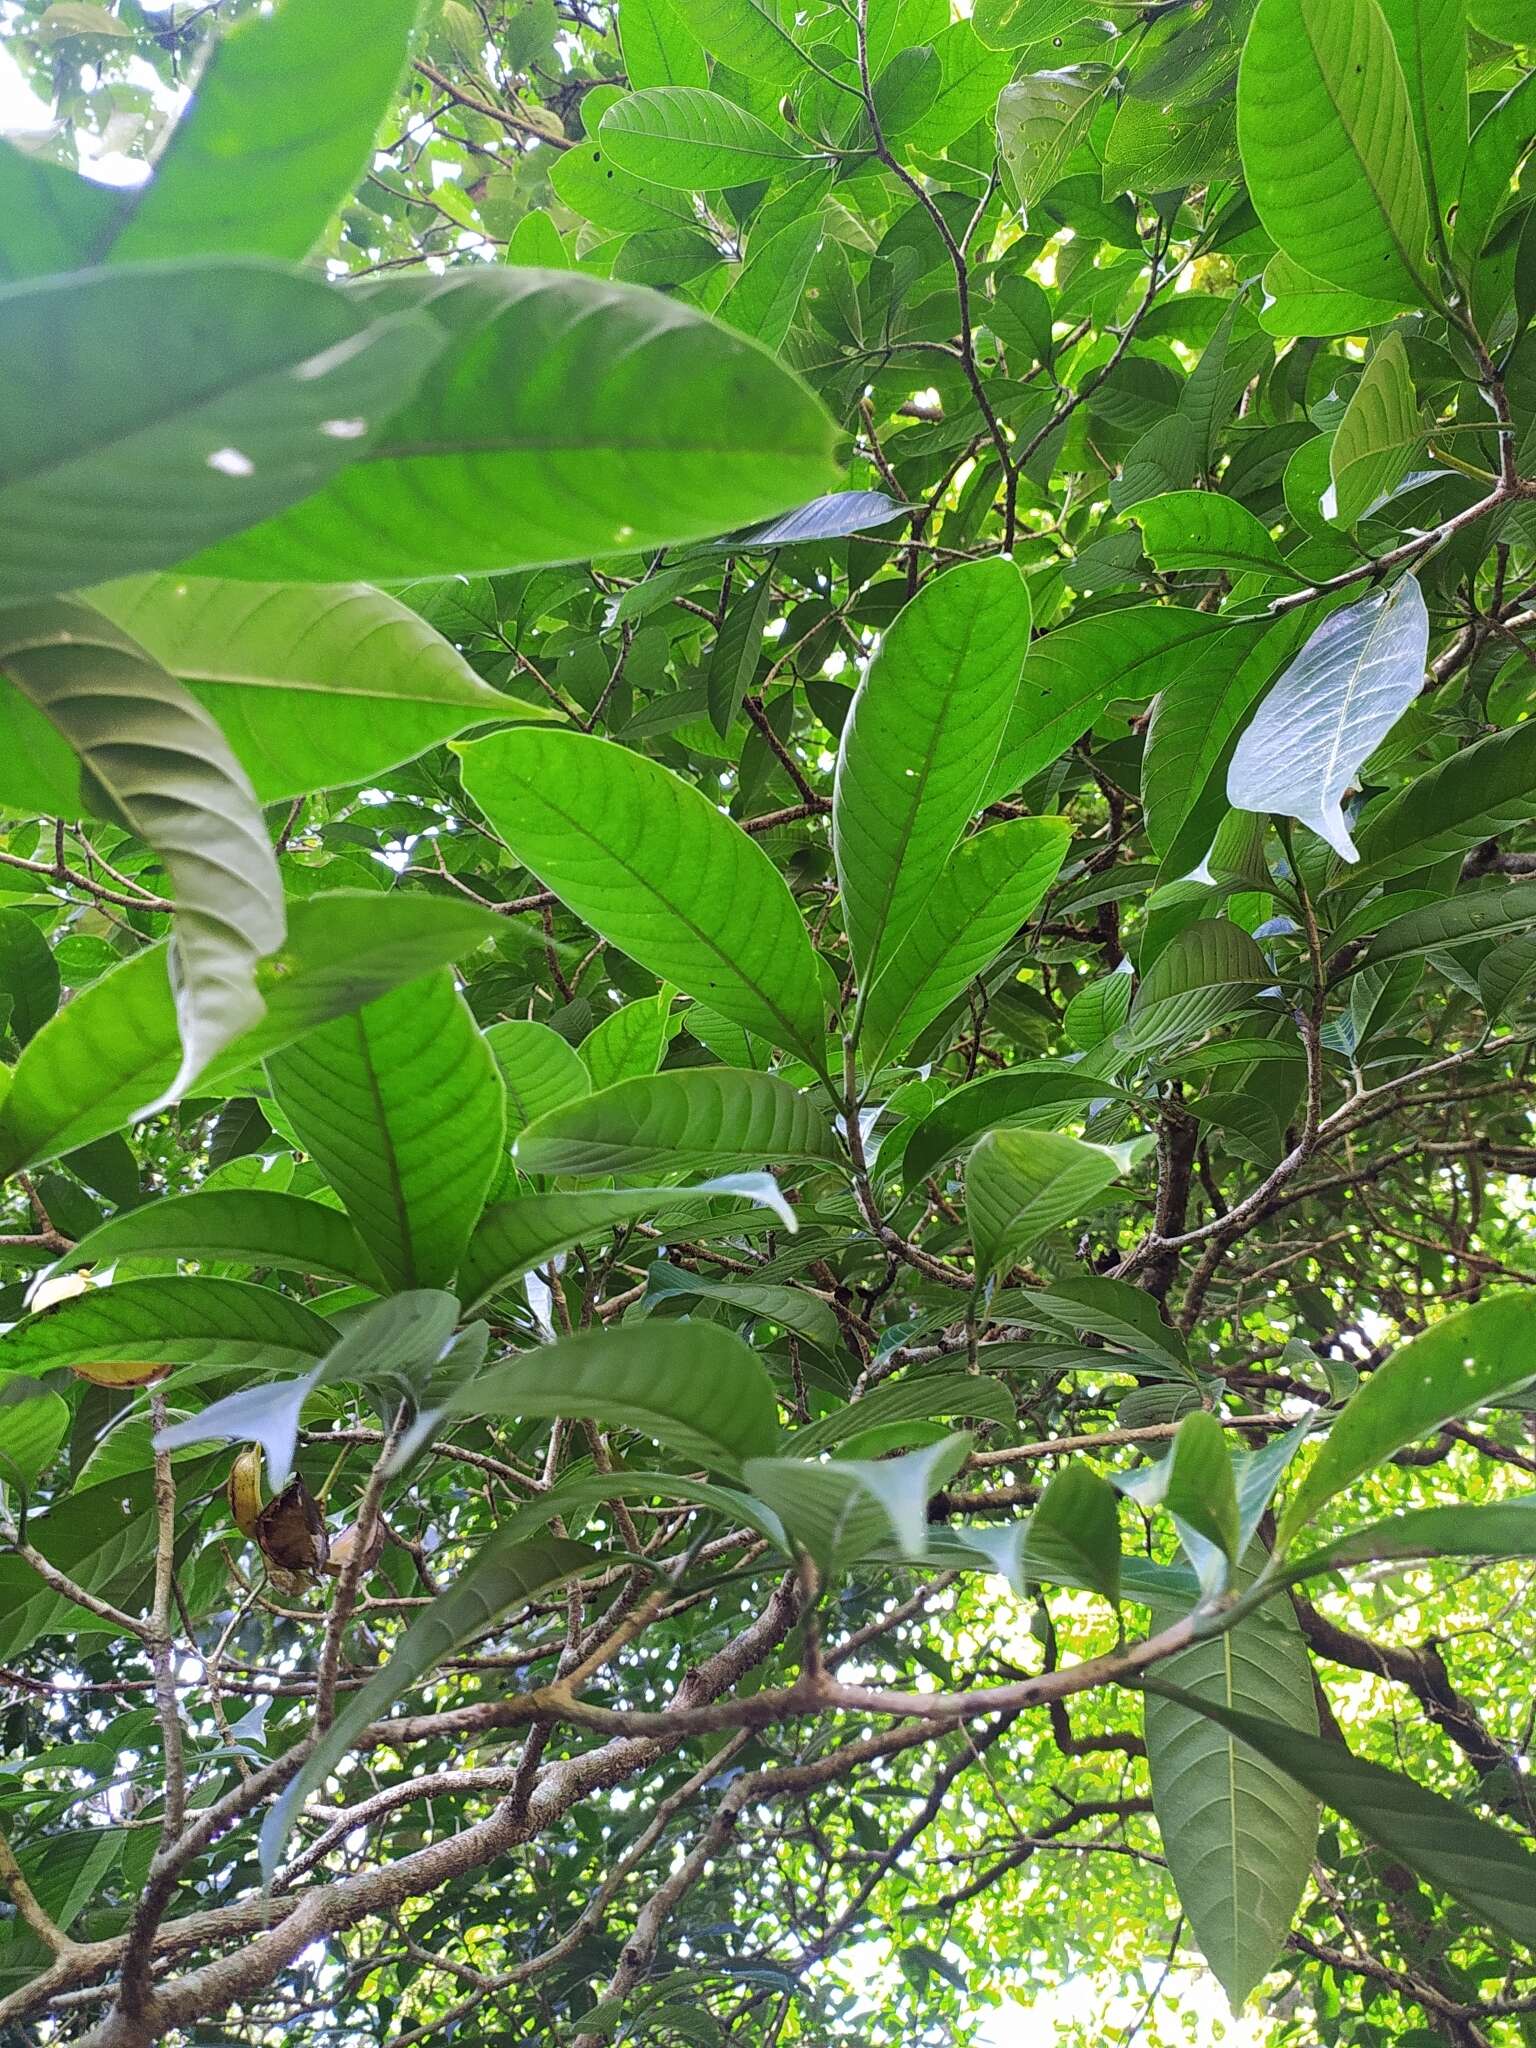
(651, 864)
(251, 1225)
(680, 136)
(1374, 442)
(1483, 1866)
(1326, 131)
(713, 1117)
(840, 1510)
(919, 745)
(313, 685)
(401, 1104)
(694, 1387)
(988, 887)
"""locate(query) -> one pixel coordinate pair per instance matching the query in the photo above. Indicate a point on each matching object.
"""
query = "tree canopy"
(767, 1001)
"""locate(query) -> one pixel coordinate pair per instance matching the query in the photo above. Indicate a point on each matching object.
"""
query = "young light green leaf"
(650, 863)
(694, 141)
(566, 417)
(1326, 132)
(284, 111)
(989, 886)
(401, 1106)
(766, 296)
(1331, 709)
(1457, 1365)
(1019, 1185)
(1481, 1865)
(313, 685)
(1238, 1833)
(1201, 1488)
(1374, 442)
(148, 758)
(1430, 37)
(694, 1387)
(918, 747)
(718, 1118)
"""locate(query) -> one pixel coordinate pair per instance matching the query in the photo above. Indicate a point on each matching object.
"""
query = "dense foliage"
(768, 974)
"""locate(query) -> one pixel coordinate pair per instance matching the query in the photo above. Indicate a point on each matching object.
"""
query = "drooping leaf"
(841, 1510)
(29, 974)
(1477, 914)
(169, 1320)
(919, 745)
(144, 755)
(1238, 1833)
(401, 1103)
(313, 685)
(651, 864)
(1021, 1184)
(1374, 442)
(1334, 705)
(1077, 1520)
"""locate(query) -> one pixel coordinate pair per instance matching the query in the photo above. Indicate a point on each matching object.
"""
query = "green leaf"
(49, 218)
(1430, 37)
(257, 1227)
(228, 1322)
(151, 760)
(565, 418)
(650, 863)
(917, 1397)
(29, 975)
(1073, 673)
(1460, 1364)
(281, 126)
(840, 1511)
(919, 745)
(1202, 530)
(1112, 1309)
(761, 1300)
(538, 1069)
(313, 685)
(658, 49)
(401, 1106)
(1375, 441)
(694, 1387)
(1505, 974)
(766, 296)
(717, 1117)
(1209, 971)
(630, 1040)
(1077, 1521)
(255, 368)
(1499, 1529)
(734, 657)
(1474, 794)
(746, 34)
(1040, 121)
(970, 78)
(1326, 132)
(1019, 1185)
(1201, 1487)
(30, 1435)
(1297, 303)
(691, 140)
(1487, 913)
(1484, 1867)
(1331, 709)
(989, 886)
(502, 1575)
(93, 1066)
(1238, 1834)
(514, 1238)
(1036, 1097)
